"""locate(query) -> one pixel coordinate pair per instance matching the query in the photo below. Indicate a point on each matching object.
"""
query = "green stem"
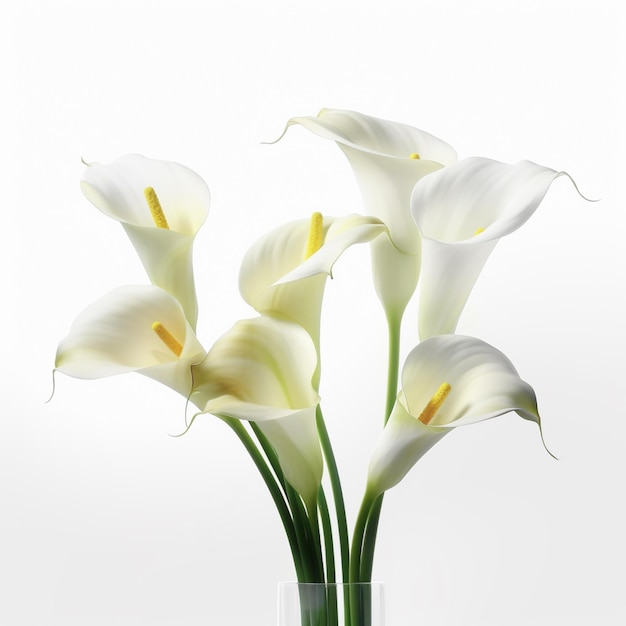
(329, 553)
(393, 362)
(355, 559)
(357, 538)
(306, 544)
(335, 482)
(270, 453)
(340, 508)
(298, 512)
(369, 542)
(274, 489)
(316, 544)
(329, 549)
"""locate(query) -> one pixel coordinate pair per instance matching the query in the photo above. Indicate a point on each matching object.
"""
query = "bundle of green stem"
(310, 530)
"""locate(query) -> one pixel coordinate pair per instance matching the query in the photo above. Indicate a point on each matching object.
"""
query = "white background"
(107, 520)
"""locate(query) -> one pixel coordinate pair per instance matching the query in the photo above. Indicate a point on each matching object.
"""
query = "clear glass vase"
(330, 604)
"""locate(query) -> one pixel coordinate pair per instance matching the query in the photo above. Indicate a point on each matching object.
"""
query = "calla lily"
(387, 158)
(447, 381)
(261, 371)
(284, 273)
(132, 329)
(161, 206)
(462, 211)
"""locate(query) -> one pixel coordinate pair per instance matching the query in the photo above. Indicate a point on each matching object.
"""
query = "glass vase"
(330, 604)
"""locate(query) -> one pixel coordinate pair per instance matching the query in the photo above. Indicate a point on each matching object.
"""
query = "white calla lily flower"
(387, 158)
(135, 328)
(161, 206)
(462, 211)
(261, 371)
(284, 273)
(447, 381)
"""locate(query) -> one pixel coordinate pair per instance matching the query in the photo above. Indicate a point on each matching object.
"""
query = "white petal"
(379, 152)
(264, 361)
(292, 434)
(341, 234)
(386, 184)
(167, 257)
(261, 370)
(402, 443)
(461, 212)
(448, 275)
(295, 440)
(376, 136)
(117, 190)
(475, 193)
(484, 384)
(114, 335)
(276, 279)
(271, 258)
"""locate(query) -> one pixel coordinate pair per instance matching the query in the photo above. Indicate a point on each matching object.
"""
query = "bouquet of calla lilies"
(431, 222)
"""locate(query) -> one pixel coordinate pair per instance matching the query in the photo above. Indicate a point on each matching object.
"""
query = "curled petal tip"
(53, 386)
(485, 383)
(582, 195)
(271, 143)
(188, 424)
(543, 441)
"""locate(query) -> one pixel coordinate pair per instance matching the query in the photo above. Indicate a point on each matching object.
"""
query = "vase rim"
(337, 584)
